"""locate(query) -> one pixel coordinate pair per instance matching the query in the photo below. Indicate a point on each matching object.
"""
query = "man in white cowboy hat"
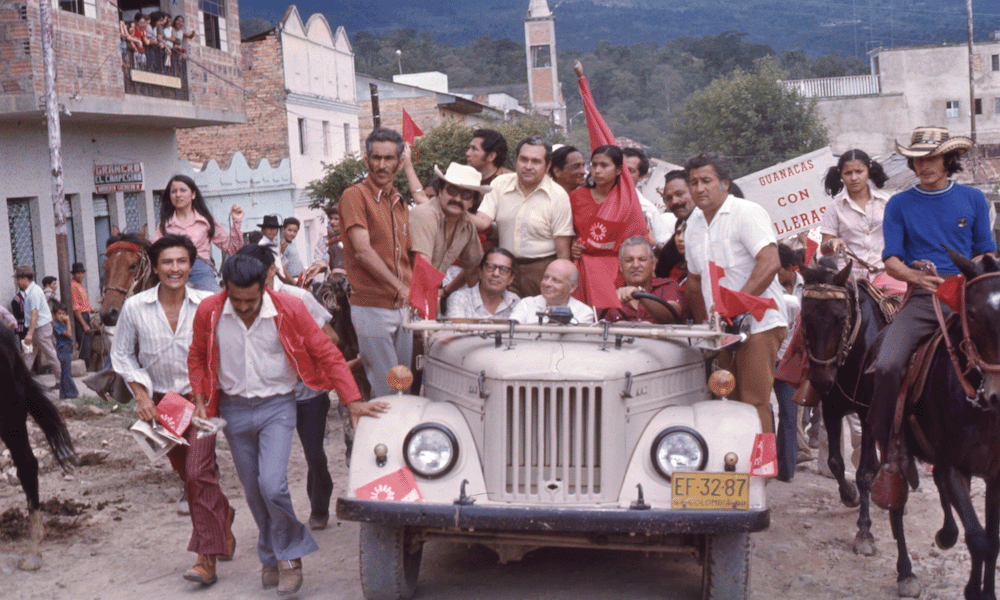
(442, 231)
(269, 228)
(917, 222)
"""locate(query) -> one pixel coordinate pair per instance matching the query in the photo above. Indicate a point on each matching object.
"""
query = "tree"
(751, 118)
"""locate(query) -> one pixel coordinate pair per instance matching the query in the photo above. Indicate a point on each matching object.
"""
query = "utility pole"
(376, 114)
(972, 87)
(55, 151)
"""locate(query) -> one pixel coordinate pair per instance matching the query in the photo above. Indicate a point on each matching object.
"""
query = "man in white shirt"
(150, 353)
(533, 215)
(37, 321)
(736, 235)
(490, 299)
(559, 282)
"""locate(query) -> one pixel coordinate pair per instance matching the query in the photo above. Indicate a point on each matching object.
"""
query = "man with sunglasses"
(442, 231)
(490, 299)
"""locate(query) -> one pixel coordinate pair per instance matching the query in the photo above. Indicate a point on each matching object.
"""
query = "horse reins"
(967, 346)
(142, 273)
(849, 334)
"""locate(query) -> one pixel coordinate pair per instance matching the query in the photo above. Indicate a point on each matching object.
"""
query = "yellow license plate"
(712, 491)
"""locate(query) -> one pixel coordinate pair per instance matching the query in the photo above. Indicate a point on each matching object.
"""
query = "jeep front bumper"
(552, 520)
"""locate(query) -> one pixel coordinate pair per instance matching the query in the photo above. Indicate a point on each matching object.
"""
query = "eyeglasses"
(490, 267)
(454, 190)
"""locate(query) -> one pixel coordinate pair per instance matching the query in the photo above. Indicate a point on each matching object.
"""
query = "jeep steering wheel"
(648, 296)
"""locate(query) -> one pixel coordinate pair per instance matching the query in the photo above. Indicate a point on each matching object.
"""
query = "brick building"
(300, 106)
(119, 116)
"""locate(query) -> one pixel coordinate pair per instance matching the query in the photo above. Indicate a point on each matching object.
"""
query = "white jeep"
(526, 436)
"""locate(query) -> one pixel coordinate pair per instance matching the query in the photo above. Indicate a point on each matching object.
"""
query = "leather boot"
(203, 571)
(289, 576)
(269, 577)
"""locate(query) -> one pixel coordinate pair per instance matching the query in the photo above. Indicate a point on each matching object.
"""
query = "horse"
(25, 396)
(954, 423)
(127, 270)
(840, 320)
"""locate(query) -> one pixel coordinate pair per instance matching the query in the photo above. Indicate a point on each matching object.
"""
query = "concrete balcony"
(833, 87)
(156, 73)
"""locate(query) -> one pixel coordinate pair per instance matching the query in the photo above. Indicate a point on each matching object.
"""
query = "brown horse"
(126, 271)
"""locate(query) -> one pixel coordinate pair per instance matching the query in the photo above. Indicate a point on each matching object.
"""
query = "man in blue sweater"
(917, 222)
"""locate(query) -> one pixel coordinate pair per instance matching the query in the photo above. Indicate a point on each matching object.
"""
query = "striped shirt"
(161, 364)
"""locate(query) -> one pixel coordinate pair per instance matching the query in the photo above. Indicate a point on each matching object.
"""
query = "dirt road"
(113, 533)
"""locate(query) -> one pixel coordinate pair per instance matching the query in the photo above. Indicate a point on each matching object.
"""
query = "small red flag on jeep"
(398, 486)
(424, 288)
(764, 458)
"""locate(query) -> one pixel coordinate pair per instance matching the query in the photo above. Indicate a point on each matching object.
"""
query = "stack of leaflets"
(154, 439)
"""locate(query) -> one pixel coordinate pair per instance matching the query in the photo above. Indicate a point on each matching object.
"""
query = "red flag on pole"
(621, 214)
(424, 288)
(730, 303)
(410, 133)
(950, 292)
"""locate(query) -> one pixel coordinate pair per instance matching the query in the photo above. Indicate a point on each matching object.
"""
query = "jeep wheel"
(727, 566)
(389, 562)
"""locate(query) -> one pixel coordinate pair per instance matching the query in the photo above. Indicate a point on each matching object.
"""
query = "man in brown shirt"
(443, 232)
(376, 257)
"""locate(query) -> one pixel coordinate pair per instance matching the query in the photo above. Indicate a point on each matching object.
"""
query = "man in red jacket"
(250, 347)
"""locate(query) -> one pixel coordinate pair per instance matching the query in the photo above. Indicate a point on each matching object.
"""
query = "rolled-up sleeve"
(123, 358)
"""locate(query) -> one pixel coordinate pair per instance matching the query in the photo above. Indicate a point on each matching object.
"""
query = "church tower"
(544, 91)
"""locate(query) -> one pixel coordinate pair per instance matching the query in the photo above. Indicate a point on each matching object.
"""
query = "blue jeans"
(67, 387)
(203, 277)
(785, 440)
(311, 425)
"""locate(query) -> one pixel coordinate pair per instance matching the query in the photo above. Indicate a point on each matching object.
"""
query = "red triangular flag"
(950, 292)
(424, 287)
(410, 133)
(764, 457)
(811, 247)
(398, 486)
(730, 303)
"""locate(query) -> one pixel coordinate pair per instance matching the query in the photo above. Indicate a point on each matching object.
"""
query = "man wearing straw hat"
(442, 231)
(917, 222)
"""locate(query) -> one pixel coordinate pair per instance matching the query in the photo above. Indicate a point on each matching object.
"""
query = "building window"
(22, 243)
(302, 136)
(86, 8)
(213, 23)
(979, 106)
(951, 109)
(996, 106)
(996, 62)
(326, 138)
(347, 138)
(133, 211)
(541, 57)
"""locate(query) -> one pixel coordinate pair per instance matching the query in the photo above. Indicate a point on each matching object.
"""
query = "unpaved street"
(113, 533)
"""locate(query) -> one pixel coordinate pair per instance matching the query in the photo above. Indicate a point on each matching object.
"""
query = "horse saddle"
(889, 304)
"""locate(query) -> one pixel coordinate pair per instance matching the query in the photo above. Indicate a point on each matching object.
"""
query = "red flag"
(764, 457)
(424, 287)
(950, 292)
(620, 208)
(398, 486)
(410, 133)
(730, 303)
(174, 412)
(811, 247)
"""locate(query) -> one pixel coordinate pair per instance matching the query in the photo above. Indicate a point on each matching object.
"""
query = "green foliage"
(751, 118)
(327, 190)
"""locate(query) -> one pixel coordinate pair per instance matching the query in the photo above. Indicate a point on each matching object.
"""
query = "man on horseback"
(918, 223)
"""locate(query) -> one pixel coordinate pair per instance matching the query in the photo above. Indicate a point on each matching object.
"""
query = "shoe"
(230, 538)
(289, 576)
(316, 522)
(203, 571)
(269, 577)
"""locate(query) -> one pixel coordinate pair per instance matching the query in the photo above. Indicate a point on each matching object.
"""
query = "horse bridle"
(967, 346)
(849, 334)
(142, 273)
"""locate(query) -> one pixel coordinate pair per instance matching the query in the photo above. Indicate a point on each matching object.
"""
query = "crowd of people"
(259, 350)
(155, 42)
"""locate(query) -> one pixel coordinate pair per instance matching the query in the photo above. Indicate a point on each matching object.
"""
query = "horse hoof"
(909, 587)
(31, 562)
(851, 499)
(945, 539)
(864, 546)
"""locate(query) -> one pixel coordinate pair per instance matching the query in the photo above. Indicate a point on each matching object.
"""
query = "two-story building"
(910, 86)
(300, 107)
(119, 117)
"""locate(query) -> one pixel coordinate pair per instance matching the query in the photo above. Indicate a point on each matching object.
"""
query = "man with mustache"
(635, 260)
(533, 214)
(442, 229)
(377, 259)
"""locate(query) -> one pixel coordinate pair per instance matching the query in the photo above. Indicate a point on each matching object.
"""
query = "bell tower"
(544, 91)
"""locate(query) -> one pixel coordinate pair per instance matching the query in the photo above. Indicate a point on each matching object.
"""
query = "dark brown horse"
(955, 424)
(840, 320)
(24, 396)
(126, 271)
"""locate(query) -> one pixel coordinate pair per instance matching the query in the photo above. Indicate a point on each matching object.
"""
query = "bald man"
(558, 284)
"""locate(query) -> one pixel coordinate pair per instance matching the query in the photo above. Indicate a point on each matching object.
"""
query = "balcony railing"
(831, 87)
(156, 73)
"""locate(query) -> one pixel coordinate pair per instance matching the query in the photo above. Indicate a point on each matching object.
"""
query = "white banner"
(792, 192)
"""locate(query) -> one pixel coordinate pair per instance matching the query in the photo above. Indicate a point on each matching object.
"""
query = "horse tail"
(27, 390)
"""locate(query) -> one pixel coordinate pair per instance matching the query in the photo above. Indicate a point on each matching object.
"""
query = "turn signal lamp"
(400, 378)
(722, 383)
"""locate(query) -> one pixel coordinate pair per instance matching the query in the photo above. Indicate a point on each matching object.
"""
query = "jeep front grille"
(552, 434)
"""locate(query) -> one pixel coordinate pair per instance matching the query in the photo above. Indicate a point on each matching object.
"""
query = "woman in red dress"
(605, 169)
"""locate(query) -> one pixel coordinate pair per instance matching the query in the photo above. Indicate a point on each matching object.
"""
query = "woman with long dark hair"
(605, 168)
(184, 212)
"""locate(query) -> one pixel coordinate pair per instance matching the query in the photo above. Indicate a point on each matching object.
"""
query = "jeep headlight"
(431, 450)
(679, 449)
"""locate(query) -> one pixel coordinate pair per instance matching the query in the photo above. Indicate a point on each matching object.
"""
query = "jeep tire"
(389, 562)
(727, 566)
